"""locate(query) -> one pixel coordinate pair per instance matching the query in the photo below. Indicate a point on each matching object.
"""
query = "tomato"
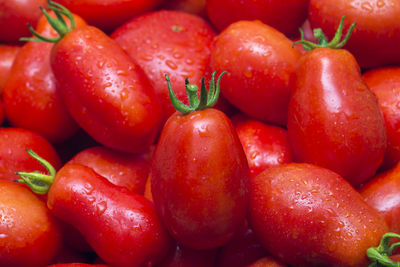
(265, 145)
(306, 215)
(267, 262)
(26, 228)
(260, 63)
(110, 14)
(106, 93)
(377, 26)
(30, 97)
(14, 15)
(334, 119)
(285, 16)
(385, 83)
(168, 42)
(13, 157)
(199, 173)
(120, 168)
(197, 7)
(7, 56)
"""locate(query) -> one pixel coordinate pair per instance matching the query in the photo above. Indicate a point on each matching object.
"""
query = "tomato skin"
(306, 215)
(18, 13)
(77, 265)
(382, 193)
(107, 94)
(110, 14)
(385, 83)
(120, 168)
(13, 156)
(7, 56)
(334, 119)
(260, 63)
(286, 16)
(377, 26)
(199, 178)
(265, 145)
(1, 112)
(132, 234)
(197, 7)
(27, 227)
(267, 262)
(30, 97)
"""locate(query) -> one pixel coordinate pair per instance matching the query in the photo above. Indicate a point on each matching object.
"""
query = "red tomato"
(375, 40)
(306, 215)
(14, 15)
(13, 156)
(197, 7)
(120, 168)
(267, 262)
(260, 63)
(265, 145)
(1, 112)
(109, 14)
(334, 119)
(7, 56)
(168, 42)
(199, 176)
(286, 16)
(30, 97)
(26, 228)
(385, 83)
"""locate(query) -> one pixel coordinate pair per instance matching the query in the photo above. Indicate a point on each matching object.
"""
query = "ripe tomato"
(286, 16)
(7, 56)
(13, 156)
(267, 262)
(377, 26)
(305, 215)
(30, 97)
(26, 227)
(197, 7)
(260, 63)
(385, 84)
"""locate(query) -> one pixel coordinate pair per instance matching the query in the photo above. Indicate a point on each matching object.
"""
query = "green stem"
(379, 256)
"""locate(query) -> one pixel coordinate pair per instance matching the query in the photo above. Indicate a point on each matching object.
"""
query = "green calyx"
(38, 182)
(207, 99)
(379, 256)
(335, 43)
(59, 24)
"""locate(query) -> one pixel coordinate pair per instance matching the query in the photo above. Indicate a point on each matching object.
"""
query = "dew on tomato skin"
(367, 6)
(101, 207)
(171, 64)
(88, 188)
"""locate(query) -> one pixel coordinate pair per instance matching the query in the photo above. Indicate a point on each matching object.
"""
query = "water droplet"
(367, 6)
(3, 235)
(124, 94)
(171, 64)
(122, 73)
(88, 188)
(146, 57)
(177, 55)
(248, 73)
(101, 207)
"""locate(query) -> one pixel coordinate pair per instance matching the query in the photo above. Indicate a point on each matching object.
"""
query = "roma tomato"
(199, 173)
(7, 56)
(30, 97)
(14, 15)
(305, 215)
(120, 168)
(377, 26)
(30, 235)
(385, 83)
(260, 63)
(104, 90)
(110, 14)
(286, 16)
(13, 157)
(334, 119)
(265, 145)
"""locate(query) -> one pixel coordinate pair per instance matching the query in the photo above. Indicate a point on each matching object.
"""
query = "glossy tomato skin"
(385, 83)
(267, 262)
(199, 179)
(306, 215)
(377, 26)
(120, 168)
(260, 63)
(30, 96)
(105, 91)
(286, 16)
(27, 227)
(265, 145)
(169, 42)
(110, 14)
(196, 7)
(334, 119)
(14, 15)
(382, 193)
(132, 234)
(13, 155)
(7, 56)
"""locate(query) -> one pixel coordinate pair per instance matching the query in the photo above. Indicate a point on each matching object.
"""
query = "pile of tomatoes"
(199, 133)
